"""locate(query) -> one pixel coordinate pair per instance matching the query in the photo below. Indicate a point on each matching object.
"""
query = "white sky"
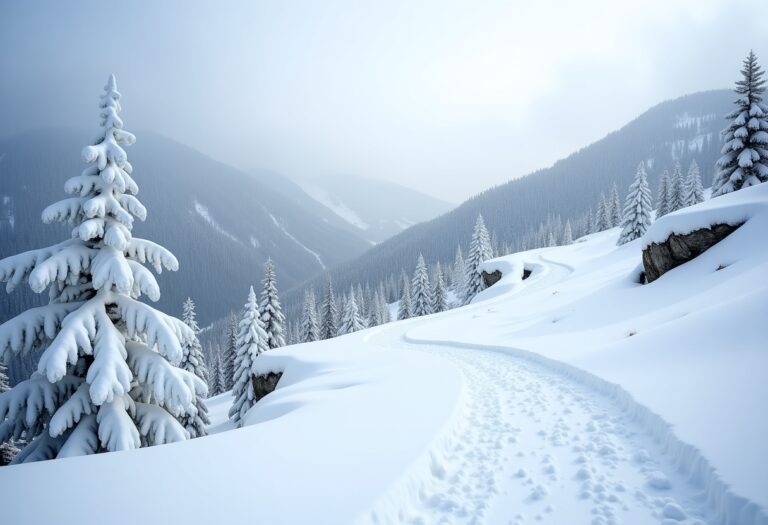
(442, 96)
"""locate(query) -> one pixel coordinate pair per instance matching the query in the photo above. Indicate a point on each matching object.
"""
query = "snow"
(733, 209)
(203, 212)
(294, 239)
(334, 204)
(576, 395)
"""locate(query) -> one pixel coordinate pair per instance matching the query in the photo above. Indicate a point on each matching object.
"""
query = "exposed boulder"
(491, 278)
(265, 383)
(659, 258)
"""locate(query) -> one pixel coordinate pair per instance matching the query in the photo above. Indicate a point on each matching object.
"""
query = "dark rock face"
(491, 278)
(658, 259)
(265, 383)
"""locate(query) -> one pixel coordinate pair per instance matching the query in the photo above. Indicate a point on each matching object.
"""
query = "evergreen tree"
(567, 234)
(194, 362)
(694, 190)
(421, 292)
(214, 371)
(591, 223)
(328, 327)
(385, 316)
(229, 353)
(8, 450)
(350, 319)
(439, 292)
(251, 342)
(479, 252)
(603, 217)
(637, 209)
(676, 189)
(615, 208)
(309, 329)
(270, 310)
(745, 151)
(663, 198)
(107, 372)
(551, 240)
(404, 306)
(459, 273)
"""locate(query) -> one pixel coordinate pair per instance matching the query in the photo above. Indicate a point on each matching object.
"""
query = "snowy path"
(536, 447)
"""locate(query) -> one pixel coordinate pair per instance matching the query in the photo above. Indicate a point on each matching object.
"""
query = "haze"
(445, 97)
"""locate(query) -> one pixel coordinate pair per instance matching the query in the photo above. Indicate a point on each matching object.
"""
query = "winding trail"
(534, 446)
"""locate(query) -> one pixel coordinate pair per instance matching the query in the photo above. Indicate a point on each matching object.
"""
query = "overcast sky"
(445, 97)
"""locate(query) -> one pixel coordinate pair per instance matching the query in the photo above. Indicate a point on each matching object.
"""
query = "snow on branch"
(30, 329)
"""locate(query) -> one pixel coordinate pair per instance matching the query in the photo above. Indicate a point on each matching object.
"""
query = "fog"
(445, 97)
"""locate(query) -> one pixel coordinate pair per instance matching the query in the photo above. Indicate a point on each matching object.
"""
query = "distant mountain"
(375, 209)
(682, 129)
(220, 223)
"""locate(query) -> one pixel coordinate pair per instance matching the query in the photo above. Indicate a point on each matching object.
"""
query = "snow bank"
(732, 209)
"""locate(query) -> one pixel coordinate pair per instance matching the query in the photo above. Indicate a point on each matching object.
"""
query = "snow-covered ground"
(575, 396)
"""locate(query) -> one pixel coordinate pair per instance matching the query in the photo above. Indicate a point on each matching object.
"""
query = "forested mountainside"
(681, 130)
(210, 215)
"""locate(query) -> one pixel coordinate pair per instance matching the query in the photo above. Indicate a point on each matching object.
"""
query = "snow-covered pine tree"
(694, 189)
(8, 450)
(591, 223)
(479, 252)
(421, 291)
(221, 369)
(350, 318)
(309, 328)
(637, 209)
(439, 292)
(615, 207)
(193, 361)
(251, 342)
(107, 378)
(676, 189)
(214, 388)
(745, 150)
(603, 216)
(404, 306)
(459, 273)
(663, 197)
(328, 327)
(230, 352)
(567, 234)
(551, 241)
(270, 310)
(385, 317)
(374, 317)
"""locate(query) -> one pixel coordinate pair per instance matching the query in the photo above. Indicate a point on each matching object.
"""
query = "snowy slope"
(577, 395)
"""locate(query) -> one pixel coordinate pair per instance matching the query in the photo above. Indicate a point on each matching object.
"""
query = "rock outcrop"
(491, 278)
(659, 258)
(265, 383)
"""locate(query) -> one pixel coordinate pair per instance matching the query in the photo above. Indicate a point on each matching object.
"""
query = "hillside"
(682, 129)
(577, 395)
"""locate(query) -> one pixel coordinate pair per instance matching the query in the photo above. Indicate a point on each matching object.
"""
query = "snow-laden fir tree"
(374, 315)
(676, 189)
(567, 234)
(591, 224)
(310, 331)
(385, 316)
(744, 160)
(637, 209)
(214, 388)
(615, 207)
(350, 317)
(404, 305)
(663, 198)
(603, 217)
(229, 352)
(439, 292)
(694, 189)
(459, 273)
(8, 450)
(479, 252)
(270, 310)
(551, 241)
(328, 327)
(421, 291)
(193, 361)
(222, 378)
(107, 378)
(251, 342)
